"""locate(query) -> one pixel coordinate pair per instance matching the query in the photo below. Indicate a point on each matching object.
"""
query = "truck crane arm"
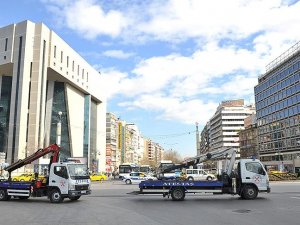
(218, 154)
(54, 148)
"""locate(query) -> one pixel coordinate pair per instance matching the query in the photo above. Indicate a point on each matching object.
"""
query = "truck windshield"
(78, 171)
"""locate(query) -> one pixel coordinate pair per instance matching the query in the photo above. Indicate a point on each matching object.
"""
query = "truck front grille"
(81, 187)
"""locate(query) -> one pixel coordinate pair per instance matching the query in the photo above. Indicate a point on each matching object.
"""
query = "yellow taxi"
(28, 177)
(273, 171)
(98, 177)
(24, 177)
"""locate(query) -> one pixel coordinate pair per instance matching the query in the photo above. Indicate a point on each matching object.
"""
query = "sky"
(167, 64)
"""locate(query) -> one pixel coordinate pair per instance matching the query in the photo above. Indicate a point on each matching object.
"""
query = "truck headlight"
(72, 186)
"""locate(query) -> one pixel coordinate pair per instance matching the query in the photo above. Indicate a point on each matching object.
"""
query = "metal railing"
(283, 57)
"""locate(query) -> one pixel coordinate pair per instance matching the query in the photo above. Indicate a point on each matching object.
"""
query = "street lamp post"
(58, 130)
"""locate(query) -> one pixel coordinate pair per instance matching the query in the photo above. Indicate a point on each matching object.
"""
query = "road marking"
(295, 197)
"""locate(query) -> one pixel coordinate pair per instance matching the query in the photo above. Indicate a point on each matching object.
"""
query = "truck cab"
(65, 180)
(252, 172)
(69, 180)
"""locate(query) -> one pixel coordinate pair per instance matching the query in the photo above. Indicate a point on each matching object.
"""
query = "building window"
(54, 51)
(87, 77)
(59, 105)
(78, 70)
(6, 42)
(61, 56)
(67, 61)
(82, 73)
(73, 66)
(6, 87)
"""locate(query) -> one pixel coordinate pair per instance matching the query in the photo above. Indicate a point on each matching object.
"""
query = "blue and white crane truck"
(249, 178)
(66, 179)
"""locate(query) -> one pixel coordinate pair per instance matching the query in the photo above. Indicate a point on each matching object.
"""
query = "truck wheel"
(190, 178)
(55, 196)
(249, 192)
(128, 181)
(75, 198)
(4, 196)
(209, 178)
(178, 194)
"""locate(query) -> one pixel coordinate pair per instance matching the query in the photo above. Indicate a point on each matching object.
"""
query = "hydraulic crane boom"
(54, 148)
(218, 154)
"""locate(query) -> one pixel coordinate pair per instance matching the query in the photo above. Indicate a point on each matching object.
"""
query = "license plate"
(83, 192)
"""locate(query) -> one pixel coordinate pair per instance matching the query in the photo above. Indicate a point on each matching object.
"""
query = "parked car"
(136, 178)
(98, 177)
(198, 174)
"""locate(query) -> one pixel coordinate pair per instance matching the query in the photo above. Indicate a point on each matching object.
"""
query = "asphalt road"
(109, 204)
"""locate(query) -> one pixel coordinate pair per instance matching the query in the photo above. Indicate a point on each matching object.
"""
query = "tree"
(172, 155)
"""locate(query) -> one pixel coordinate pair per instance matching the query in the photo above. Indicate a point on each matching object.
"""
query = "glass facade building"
(277, 98)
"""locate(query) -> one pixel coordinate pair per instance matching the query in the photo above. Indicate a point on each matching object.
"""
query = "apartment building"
(112, 152)
(248, 138)
(43, 82)
(226, 124)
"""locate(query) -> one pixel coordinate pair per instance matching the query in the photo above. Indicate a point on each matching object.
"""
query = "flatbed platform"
(16, 184)
(157, 184)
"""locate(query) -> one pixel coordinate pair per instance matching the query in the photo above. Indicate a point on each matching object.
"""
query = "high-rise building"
(226, 124)
(112, 153)
(277, 98)
(43, 82)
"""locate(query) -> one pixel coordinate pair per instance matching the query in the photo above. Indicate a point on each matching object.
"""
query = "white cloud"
(112, 79)
(172, 85)
(119, 54)
(178, 20)
(88, 18)
(187, 111)
(186, 76)
(235, 38)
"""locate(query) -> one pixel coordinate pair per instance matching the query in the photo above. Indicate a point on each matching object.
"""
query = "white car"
(199, 174)
(136, 178)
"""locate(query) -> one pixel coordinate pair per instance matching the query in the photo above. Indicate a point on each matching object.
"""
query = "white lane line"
(295, 197)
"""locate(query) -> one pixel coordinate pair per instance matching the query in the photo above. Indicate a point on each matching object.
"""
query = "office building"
(43, 82)
(277, 98)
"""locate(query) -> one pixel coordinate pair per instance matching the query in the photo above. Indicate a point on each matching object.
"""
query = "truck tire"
(74, 198)
(4, 196)
(191, 178)
(178, 194)
(55, 196)
(209, 178)
(249, 192)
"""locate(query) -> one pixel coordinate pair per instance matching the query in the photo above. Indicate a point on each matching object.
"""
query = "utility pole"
(197, 139)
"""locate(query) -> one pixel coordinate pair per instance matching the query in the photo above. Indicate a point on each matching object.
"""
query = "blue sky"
(167, 64)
